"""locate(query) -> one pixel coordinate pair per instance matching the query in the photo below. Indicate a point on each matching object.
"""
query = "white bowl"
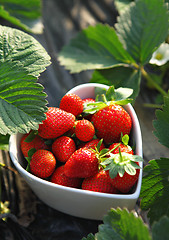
(77, 202)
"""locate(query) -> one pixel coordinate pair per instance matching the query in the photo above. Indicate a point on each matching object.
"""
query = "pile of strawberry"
(84, 144)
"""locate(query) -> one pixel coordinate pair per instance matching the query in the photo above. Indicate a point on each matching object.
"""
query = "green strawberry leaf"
(22, 100)
(142, 28)
(99, 144)
(90, 236)
(121, 224)
(25, 15)
(31, 136)
(118, 77)
(130, 169)
(17, 46)
(118, 95)
(161, 125)
(30, 154)
(160, 229)
(121, 5)
(125, 139)
(4, 142)
(120, 163)
(155, 189)
(96, 47)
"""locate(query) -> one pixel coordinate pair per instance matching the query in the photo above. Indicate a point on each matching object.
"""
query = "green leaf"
(16, 45)
(161, 125)
(22, 100)
(160, 229)
(119, 77)
(125, 139)
(24, 14)
(142, 28)
(4, 142)
(89, 237)
(121, 5)
(121, 224)
(96, 47)
(130, 169)
(155, 189)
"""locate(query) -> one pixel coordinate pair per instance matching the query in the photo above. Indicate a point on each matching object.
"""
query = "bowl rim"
(29, 175)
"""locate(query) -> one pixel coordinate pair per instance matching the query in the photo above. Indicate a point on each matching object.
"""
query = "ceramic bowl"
(77, 202)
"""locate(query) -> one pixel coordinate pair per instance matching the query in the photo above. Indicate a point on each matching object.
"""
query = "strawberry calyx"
(105, 98)
(120, 163)
(30, 154)
(104, 154)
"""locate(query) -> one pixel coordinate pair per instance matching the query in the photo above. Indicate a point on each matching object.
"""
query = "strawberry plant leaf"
(160, 229)
(119, 76)
(18, 46)
(121, 224)
(96, 47)
(155, 189)
(125, 139)
(130, 169)
(161, 125)
(22, 100)
(122, 4)
(25, 15)
(90, 236)
(142, 28)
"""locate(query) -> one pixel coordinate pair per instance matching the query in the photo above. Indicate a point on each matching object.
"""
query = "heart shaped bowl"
(77, 202)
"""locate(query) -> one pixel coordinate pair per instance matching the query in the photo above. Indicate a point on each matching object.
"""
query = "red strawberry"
(88, 100)
(36, 143)
(125, 183)
(84, 130)
(123, 148)
(85, 102)
(93, 144)
(109, 118)
(82, 163)
(60, 178)
(72, 103)
(63, 147)
(123, 169)
(57, 122)
(100, 182)
(43, 163)
(110, 122)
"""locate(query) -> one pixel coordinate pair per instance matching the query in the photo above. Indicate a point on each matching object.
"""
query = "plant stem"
(151, 105)
(150, 80)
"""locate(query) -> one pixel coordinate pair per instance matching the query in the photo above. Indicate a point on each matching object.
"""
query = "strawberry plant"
(25, 15)
(122, 56)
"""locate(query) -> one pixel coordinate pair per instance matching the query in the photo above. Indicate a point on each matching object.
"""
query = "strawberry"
(57, 123)
(71, 103)
(84, 130)
(88, 100)
(100, 182)
(126, 182)
(63, 147)
(123, 170)
(82, 163)
(36, 143)
(85, 102)
(43, 163)
(110, 122)
(123, 148)
(109, 118)
(93, 144)
(60, 178)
